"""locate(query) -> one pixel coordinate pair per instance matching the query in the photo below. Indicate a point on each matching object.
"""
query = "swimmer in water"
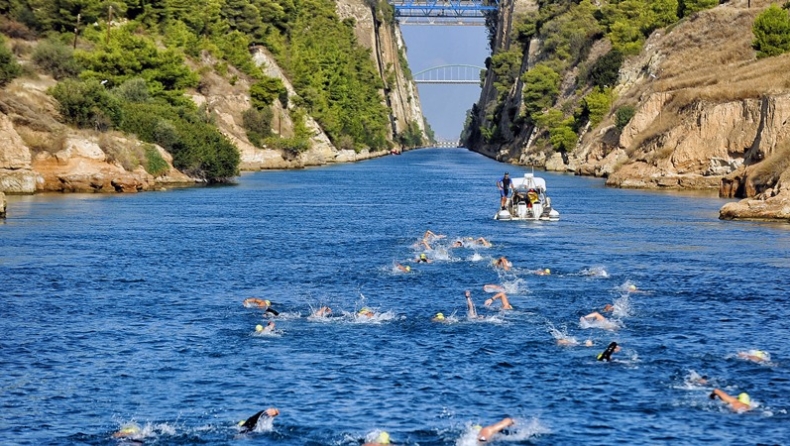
(757, 356)
(740, 404)
(322, 312)
(431, 235)
(127, 431)
(492, 288)
(499, 296)
(483, 242)
(260, 303)
(471, 311)
(503, 263)
(438, 317)
(543, 272)
(402, 268)
(382, 439)
(594, 316)
(486, 433)
(606, 355)
(423, 259)
(366, 312)
(267, 329)
(608, 308)
(251, 422)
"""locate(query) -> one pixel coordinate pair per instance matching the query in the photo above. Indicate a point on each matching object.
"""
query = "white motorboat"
(528, 201)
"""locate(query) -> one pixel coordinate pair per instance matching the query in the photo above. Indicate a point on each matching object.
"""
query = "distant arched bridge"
(443, 12)
(449, 74)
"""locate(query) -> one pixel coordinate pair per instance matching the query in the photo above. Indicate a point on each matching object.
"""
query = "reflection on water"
(121, 309)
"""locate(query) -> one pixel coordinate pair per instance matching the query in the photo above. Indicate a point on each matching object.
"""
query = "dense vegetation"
(132, 75)
(568, 31)
(772, 32)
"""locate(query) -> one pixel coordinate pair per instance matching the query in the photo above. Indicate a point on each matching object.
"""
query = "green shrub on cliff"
(154, 163)
(596, 105)
(56, 59)
(131, 54)
(87, 104)
(266, 90)
(198, 148)
(688, 7)
(257, 123)
(771, 31)
(623, 116)
(541, 88)
(9, 68)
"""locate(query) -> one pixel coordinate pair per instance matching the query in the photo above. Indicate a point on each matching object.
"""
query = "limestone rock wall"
(62, 159)
(386, 45)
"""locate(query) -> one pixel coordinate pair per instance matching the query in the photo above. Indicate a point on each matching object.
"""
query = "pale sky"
(445, 106)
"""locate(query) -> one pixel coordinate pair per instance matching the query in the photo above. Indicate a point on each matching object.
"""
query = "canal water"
(127, 309)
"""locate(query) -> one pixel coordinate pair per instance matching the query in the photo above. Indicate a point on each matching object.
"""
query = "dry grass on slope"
(710, 57)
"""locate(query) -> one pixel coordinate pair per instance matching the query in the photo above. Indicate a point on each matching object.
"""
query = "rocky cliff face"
(387, 48)
(38, 153)
(708, 115)
(509, 151)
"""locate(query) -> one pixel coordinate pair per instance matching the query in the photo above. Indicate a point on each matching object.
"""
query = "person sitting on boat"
(265, 304)
(503, 263)
(740, 404)
(484, 434)
(499, 296)
(505, 185)
(532, 197)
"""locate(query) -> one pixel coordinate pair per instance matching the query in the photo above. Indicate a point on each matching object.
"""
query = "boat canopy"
(530, 181)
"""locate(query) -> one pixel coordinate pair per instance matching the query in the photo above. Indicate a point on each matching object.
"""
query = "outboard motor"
(521, 209)
(537, 210)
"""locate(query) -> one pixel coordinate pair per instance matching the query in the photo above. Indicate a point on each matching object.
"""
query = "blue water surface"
(128, 308)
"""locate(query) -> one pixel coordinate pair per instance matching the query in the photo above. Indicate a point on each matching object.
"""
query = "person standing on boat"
(505, 185)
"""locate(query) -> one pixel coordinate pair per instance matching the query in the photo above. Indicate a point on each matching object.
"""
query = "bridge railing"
(450, 74)
(464, 9)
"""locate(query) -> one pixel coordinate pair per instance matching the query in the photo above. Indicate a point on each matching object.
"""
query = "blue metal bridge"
(450, 74)
(443, 12)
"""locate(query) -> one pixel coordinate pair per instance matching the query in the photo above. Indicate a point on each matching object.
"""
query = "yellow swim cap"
(760, 354)
(259, 327)
(129, 429)
(268, 302)
(422, 256)
(632, 287)
(439, 316)
(548, 271)
(408, 268)
(383, 438)
(363, 310)
(241, 423)
(744, 398)
(477, 427)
